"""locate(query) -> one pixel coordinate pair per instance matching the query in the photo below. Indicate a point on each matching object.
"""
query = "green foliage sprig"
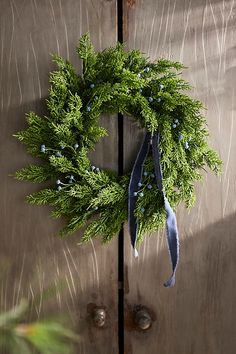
(43, 337)
(115, 81)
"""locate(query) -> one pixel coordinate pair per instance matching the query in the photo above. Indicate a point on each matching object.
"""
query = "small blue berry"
(180, 137)
(76, 145)
(139, 75)
(97, 169)
(149, 186)
(96, 97)
(72, 179)
(140, 184)
(93, 168)
(88, 109)
(147, 69)
(135, 194)
(96, 208)
(141, 194)
(158, 99)
(58, 181)
(92, 86)
(176, 121)
(142, 210)
(145, 173)
(174, 126)
(59, 188)
(58, 154)
(140, 90)
(161, 86)
(186, 145)
(43, 148)
(150, 99)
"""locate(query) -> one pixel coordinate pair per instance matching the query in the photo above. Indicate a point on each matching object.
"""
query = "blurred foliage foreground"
(41, 337)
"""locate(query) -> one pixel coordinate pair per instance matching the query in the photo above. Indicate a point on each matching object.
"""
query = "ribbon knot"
(171, 223)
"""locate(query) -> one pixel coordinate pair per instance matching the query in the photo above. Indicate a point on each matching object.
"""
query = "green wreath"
(115, 81)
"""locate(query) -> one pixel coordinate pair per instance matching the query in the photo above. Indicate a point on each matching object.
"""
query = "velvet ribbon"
(151, 141)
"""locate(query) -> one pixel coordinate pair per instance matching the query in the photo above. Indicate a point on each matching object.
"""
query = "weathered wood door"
(197, 315)
(64, 278)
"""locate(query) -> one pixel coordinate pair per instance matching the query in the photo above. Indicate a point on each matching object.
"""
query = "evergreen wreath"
(113, 81)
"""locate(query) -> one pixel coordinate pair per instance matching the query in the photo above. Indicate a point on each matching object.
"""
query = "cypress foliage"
(115, 81)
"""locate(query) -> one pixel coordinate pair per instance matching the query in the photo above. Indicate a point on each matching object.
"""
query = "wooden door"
(64, 277)
(198, 314)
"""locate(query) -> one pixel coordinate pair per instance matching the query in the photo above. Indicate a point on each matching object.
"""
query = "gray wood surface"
(66, 278)
(62, 276)
(198, 314)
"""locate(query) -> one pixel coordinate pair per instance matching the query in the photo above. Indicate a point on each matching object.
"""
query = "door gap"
(120, 172)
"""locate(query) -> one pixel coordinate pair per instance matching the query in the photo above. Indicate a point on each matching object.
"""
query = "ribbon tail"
(173, 241)
(135, 253)
(171, 223)
(135, 178)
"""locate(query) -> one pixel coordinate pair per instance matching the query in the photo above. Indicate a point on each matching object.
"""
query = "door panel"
(63, 277)
(197, 315)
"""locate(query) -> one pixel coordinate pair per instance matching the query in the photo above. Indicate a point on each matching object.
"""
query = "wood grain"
(198, 314)
(63, 277)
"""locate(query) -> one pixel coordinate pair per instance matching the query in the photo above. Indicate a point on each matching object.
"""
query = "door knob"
(99, 317)
(142, 318)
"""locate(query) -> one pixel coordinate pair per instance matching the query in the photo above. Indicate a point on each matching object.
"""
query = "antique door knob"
(99, 317)
(142, 318)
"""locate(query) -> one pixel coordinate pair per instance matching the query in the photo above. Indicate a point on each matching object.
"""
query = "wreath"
(170, 160)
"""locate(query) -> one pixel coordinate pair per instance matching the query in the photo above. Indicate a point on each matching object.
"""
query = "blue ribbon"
(171, 223)
(135, 178)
